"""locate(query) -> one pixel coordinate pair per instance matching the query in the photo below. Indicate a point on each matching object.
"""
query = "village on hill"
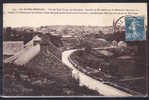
(33, 60)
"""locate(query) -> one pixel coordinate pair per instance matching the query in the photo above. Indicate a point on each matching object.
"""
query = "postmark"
(134, 28)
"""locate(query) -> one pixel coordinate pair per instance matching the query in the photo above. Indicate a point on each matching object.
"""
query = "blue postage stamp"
(134, 28)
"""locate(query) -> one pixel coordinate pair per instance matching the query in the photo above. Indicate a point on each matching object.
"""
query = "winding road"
(88, 81)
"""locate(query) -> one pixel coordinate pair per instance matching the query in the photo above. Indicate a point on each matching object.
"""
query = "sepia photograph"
(75, 49)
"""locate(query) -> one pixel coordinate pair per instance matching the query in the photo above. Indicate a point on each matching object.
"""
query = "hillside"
(44, 75)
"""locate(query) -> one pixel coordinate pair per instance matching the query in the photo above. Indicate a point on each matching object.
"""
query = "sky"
(36, 20)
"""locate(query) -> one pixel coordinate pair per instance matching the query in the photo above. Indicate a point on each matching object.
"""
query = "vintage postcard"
(75, 49)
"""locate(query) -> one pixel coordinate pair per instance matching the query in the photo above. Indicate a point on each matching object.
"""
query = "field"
(120, 68)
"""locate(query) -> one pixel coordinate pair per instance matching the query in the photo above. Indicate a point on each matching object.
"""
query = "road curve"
(88, 81)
